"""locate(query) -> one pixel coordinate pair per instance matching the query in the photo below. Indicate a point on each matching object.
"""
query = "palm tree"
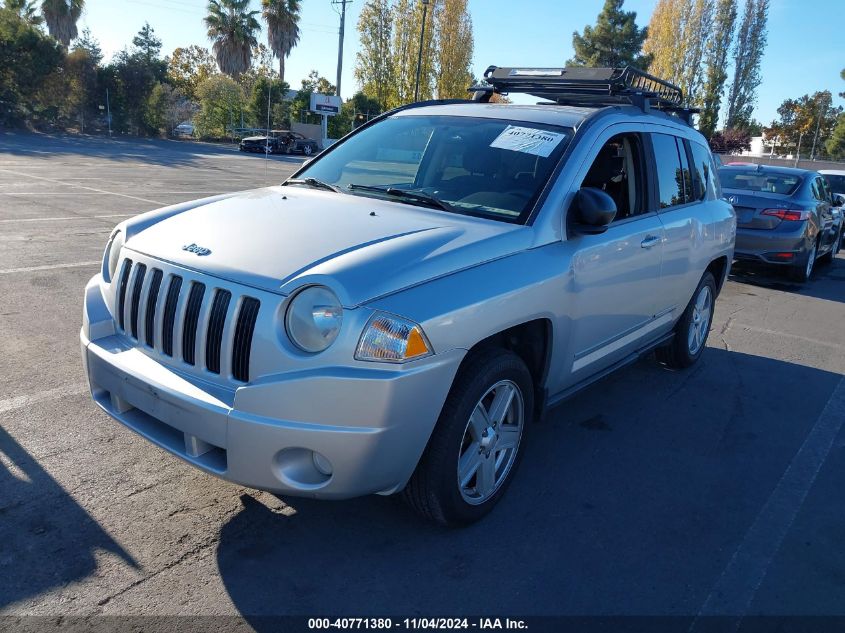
(61, 17)
(282, 17)
(232, 26)
(26, 9)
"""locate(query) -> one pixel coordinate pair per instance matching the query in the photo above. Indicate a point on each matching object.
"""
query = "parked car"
(260, 143)
(394, 316)
(280, 142)
(296, 142)
(784, 217)
(185, 128)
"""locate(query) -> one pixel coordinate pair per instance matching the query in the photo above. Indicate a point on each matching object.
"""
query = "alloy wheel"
(490, 442)
(702, 310)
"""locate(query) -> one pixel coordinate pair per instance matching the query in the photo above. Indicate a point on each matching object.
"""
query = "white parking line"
(68, 217)
(797, 337)
(95, 193)
(32, 269)
(735, 590)
(19, 402)
(70, 184)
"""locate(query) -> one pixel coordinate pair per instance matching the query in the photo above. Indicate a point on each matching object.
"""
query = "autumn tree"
(747, 55)
(678, 36)
(407, 22)
(716, 65)
(730, 141)
(614, 41)
(805, 122)
(453, 33)
(374, 61)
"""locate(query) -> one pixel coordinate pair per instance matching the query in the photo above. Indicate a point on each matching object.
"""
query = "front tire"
(475, 447)
(692, 329)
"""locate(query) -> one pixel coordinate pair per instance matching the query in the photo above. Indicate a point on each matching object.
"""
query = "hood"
(254, 138)
(282, 238)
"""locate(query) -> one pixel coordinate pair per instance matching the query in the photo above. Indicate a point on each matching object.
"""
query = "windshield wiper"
(313, 182)
(416, 196)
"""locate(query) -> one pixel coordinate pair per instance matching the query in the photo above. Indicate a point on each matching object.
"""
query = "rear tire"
(802, 273)
(692, 328)
(475, 447)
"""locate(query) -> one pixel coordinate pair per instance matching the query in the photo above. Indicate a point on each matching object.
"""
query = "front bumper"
(369, 422)
(771, 246)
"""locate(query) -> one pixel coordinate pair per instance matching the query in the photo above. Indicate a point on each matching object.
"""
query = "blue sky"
(804, 52)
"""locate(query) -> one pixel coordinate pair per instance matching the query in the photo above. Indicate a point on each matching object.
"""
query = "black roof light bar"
(583, 86)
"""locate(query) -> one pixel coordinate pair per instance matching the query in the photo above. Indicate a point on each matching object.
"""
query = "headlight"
(313, 319)
(392, 339)
(112, 255)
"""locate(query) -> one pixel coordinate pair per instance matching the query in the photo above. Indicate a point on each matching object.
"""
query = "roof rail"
(582, 86)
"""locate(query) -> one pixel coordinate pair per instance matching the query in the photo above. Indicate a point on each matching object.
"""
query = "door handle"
(650, 241)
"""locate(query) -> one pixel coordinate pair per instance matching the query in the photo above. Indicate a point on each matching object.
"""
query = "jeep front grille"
(210, 326)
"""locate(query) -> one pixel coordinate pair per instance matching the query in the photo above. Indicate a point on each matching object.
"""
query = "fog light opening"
(322, 464)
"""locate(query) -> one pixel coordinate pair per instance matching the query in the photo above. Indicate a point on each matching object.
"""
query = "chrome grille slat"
(244, 330)
(214, 333)
(140, 273)
(169, 318)
(121, 293)
(152, 302)
(189, 328)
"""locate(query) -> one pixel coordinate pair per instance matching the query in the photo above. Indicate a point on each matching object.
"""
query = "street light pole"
(419, 52)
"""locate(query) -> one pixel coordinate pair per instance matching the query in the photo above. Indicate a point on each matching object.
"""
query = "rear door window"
(703, 173)
(670, 175)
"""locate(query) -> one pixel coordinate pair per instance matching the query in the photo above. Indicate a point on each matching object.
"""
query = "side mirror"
(839, 199)
(592, 211)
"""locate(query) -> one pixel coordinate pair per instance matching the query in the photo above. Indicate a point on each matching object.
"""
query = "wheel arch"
(532, 342)
(719, 269)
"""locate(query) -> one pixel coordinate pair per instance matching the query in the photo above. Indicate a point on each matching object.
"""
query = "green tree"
(748, 55)
(26, 9)
(453, 33)
(221, 102)
(282, 17)
(263, 88)
(232, 26)
(146, 44)
(80, 76)
(27, 59)
(189, 67)
(166, 108)
(88, 43)
(61, 17)
(614, 41)
(374, 60)
(716, 73)
(835, 145)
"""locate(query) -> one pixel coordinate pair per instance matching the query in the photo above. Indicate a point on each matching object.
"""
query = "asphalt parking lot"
(715, 491)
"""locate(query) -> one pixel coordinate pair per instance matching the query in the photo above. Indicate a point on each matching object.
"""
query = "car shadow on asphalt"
(163, 152)
(631, 498)
(39, 521)
(825, 283)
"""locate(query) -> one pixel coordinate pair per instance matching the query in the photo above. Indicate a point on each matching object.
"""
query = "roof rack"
(582, 86)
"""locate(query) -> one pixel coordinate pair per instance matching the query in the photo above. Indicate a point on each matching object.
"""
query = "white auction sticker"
(528, 140)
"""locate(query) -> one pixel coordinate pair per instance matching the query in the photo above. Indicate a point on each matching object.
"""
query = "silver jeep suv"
(395, 316)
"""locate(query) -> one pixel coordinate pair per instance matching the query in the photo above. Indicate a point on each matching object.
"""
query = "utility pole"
(342, 4)
(419, 52)
(108, 110)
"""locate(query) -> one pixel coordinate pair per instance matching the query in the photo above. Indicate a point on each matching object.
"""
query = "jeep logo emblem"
(197, 250)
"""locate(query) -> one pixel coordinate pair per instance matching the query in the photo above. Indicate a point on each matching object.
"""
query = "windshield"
(753, 180)
(475, 166)
(835, 182)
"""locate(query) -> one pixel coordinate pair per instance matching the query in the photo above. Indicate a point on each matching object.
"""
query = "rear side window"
(670, 175)
(703, 173)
